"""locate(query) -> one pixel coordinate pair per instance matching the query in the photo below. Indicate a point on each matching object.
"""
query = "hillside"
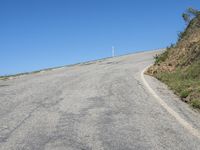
(179, 65)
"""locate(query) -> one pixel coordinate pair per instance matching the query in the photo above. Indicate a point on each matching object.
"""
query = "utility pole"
(113, 51)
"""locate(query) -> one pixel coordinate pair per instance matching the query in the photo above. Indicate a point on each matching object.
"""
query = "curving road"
(100, 105)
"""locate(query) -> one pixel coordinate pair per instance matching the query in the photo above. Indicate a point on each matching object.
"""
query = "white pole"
(113, 51)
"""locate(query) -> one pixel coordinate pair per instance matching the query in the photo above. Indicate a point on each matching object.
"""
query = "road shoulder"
(184, 114)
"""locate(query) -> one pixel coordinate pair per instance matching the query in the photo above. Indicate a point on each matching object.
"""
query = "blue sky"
(36, 34)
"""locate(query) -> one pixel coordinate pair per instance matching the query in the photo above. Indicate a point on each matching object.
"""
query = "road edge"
(173, 113)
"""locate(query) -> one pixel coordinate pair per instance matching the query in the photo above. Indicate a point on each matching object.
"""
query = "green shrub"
(193, 72)
(181, 35)
(162, 57)
(195, 103)
(184, 94)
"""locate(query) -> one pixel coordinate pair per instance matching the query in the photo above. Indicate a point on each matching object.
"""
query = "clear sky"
(36, 34)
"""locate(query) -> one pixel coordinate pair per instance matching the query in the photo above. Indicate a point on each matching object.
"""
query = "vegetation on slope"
(179, 65)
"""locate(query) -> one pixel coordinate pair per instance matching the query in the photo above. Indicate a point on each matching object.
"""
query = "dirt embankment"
(179, 65)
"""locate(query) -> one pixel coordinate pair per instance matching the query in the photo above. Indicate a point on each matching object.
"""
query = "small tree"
(193, 12)
(186, 17)
(189, 14)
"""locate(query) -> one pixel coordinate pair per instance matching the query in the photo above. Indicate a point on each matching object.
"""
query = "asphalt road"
(101, 105)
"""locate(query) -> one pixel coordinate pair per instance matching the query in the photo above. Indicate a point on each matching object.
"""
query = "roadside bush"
(162, 57)
(184, 94)
(195, 103)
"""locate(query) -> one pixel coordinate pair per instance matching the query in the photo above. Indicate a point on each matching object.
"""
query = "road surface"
(100, 105)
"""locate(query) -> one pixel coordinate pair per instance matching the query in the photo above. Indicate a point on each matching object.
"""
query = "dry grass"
(179, 65)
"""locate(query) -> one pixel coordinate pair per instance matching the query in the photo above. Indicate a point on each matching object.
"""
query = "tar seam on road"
(183, 122)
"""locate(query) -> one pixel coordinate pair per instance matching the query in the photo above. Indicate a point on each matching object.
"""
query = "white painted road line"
(183, 122)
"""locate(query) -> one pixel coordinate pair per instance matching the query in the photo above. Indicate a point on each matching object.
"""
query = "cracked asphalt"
(100, 105)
